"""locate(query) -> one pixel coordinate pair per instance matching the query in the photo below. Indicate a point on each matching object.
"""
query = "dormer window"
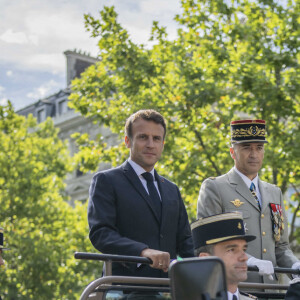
(62, 107)
(41, 115)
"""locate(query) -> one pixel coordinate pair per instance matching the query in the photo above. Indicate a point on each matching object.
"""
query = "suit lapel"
(160, 182)
(241, 188)
(137, 184)
(263, 189)
(164, 198)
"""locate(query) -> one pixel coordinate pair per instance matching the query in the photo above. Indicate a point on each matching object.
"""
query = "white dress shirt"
(139, 171)
(230, 295)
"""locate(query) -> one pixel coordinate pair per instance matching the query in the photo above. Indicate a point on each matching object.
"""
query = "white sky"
(35, 33)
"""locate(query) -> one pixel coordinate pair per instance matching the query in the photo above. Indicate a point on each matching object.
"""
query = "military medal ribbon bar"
(277, 220)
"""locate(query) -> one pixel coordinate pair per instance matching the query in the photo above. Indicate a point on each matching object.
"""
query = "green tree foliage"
(230, 60)
(41, 229)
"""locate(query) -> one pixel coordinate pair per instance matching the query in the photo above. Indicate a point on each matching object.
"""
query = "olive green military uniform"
(229, 193)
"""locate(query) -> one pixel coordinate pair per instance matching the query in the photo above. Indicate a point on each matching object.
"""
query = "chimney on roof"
(77, 63)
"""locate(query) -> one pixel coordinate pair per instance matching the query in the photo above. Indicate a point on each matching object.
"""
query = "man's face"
(146, 144)
(1, 259)
(233, 254)
(248, 158)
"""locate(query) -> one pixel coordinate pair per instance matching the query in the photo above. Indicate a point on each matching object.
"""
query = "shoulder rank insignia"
(237, 202)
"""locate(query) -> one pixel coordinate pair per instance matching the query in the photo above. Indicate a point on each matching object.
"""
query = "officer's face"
(1, 259)
(146, 144)
(248, 158)
(233, 254)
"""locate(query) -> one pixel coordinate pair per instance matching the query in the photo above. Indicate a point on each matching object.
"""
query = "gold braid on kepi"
(247, 131)
(219, 228)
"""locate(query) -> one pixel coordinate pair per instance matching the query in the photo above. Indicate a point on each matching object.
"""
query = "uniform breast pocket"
(246, 214)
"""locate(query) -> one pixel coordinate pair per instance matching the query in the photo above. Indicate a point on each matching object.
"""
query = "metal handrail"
(277, 270)
(109, 258)
(109, 279)
(269, 286)
(112, 257)
(121, 280)
(146, 260)
(91, 287)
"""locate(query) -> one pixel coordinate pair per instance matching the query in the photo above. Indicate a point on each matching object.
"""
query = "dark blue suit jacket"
(122, 220)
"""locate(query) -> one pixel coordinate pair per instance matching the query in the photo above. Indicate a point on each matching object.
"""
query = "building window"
(62, 107)
(41, 115)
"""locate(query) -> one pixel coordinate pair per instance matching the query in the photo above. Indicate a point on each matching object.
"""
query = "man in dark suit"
(134, 211)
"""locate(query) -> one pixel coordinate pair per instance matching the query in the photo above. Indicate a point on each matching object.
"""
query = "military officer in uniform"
(260, 203)
(223, 235)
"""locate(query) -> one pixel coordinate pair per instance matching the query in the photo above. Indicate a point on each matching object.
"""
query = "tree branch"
(292, 237)
(199, 137)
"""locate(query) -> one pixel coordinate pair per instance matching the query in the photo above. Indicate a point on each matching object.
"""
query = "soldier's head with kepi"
(247, 145)
(223, 235)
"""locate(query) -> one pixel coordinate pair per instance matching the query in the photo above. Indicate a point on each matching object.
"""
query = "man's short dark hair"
(147, 115)
(206, 249)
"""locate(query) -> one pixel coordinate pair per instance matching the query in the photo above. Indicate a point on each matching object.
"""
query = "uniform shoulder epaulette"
(248, 295)
(212, 178)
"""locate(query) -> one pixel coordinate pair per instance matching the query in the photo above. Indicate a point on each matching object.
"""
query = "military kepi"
(219, 228)
(1, 240)
(247, 131)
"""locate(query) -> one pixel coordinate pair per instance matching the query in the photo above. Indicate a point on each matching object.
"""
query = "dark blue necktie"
(153, 193)
(234, 297)
(253, 191)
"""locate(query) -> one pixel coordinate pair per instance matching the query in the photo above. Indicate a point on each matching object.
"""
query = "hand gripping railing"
(109, 258)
